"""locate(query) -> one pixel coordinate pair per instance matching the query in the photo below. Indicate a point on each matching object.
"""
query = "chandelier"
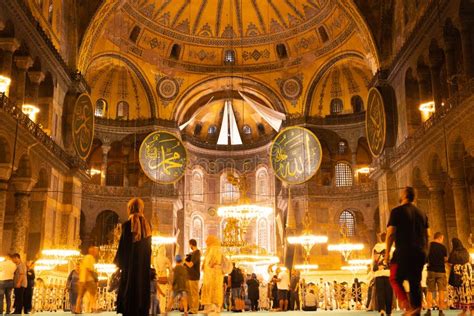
(61, 253)
(307, 240)
(157, 240)
(245, 213)
(306, 266)
(255, 260)
(354, 268)
(360, 262)
(345, 247)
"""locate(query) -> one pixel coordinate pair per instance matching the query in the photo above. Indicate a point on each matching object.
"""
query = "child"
(180, 281)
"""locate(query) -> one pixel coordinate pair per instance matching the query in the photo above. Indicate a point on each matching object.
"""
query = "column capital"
(23, 62)
(22, 184)
(9, 44)
(105, 149)
(36, 76)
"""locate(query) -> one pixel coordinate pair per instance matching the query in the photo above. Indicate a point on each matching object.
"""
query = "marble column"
(9, 46)
(103, 176)
(5, 172)
(437, 208)
(461, 204)
(21, 222)
(22, 63)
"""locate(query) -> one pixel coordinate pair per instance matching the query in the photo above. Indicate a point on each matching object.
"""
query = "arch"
(122, 110)
(24, 167)
(357, 104)
(100, 107)
(435, 167)
(412, 100)
(347, 222)
(136, 70)
(105, 223)
(229, 192)
(5, 154)
(197, 230)
(343, 174)
(197, 185)
(262, 185)
(263, 234)
(43, 179)
(337, 106)
(457, 150)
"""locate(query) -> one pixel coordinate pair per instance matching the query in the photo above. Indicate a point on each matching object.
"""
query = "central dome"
(246, 21)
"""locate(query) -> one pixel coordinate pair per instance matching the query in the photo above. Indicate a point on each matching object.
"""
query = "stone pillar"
(36, 77)
(21, 222)
(436, 61)
(5, 172)
(424, 85)
(461, 205)
(9, 46)
(22, 63)
(467, 48)
(438, 216)
(103, 176)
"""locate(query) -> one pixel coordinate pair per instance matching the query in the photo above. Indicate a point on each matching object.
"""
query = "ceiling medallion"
(375, 122)
(83, 125)
(167, 88)
(291, 88)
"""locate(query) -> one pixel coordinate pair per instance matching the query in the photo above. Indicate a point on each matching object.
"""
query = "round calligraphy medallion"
(295, 155)
(83, 125)
(167, 88)
(375, 122)
(163, 157)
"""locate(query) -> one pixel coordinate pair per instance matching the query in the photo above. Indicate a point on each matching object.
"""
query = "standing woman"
(72, 285)
(212, 295)
(461, 277)
(133, 258)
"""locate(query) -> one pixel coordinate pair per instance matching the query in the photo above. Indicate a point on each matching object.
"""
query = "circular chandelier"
(354, 268)
(345, 247)
(360, 262)
(163, 240)
(306, 266)
(52, 262)
(245, 213)
(256, 260)
(107, 268)
(61, 253)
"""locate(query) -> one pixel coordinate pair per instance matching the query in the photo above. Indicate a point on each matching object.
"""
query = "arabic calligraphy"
(295, 155)
(375, 122)
(163, 157)
(83, 125)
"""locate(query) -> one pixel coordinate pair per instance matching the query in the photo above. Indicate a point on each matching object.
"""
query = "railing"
(37, 132)
(339, 119)
(318, 190)
(390, 157)
(134, 123)
(149, 190)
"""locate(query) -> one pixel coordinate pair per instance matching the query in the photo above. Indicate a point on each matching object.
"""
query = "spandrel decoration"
(163, 157)
(83, 125)
(295, 155)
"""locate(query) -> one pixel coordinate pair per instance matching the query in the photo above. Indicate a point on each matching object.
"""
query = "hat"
(178, 258)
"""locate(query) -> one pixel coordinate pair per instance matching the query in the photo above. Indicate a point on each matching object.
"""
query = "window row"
(122, 109)
(337, 106)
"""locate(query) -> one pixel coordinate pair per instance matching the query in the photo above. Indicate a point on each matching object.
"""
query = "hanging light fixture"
(30, 110)
(5, 85)
(163, 240)
(61, 253)
(345, 247)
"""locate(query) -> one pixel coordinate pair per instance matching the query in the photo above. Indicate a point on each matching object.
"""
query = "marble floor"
(292, 313)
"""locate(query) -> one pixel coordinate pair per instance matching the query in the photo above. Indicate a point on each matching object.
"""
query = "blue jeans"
(6, 288)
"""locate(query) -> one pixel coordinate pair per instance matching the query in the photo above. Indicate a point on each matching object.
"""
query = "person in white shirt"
(283, 285)
(383, 289)
(7, 273)
(310, 301)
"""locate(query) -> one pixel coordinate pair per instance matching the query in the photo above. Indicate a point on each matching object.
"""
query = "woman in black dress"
(133, 258)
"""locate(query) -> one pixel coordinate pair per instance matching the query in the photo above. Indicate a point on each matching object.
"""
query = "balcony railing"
(310, 189)
(37, 132)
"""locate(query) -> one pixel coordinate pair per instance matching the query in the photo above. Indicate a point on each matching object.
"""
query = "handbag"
(455, 279)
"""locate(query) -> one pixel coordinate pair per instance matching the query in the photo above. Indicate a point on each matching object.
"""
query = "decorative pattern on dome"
(225, 19)
(167, 88)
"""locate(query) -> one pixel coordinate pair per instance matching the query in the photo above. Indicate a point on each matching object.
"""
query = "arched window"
(229, 57)
(343, 175)
(263, 234)
(347, 222)
(197, 231)
(342, 147)
(261, 185)
(105, 224)
(323, 34)
(357, 104)
(229, 192)
(212, 129)
(247, 129)
(281, 51)
(100, 108)
(336, 106)
(134, 33)
(261, 129)
(197, 186)
(197, 129)
(122, 110)
(175, 51)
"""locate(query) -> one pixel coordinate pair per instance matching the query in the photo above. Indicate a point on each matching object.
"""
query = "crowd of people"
(413, 275)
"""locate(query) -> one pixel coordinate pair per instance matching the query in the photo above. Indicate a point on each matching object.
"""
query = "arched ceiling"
(144, 33)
